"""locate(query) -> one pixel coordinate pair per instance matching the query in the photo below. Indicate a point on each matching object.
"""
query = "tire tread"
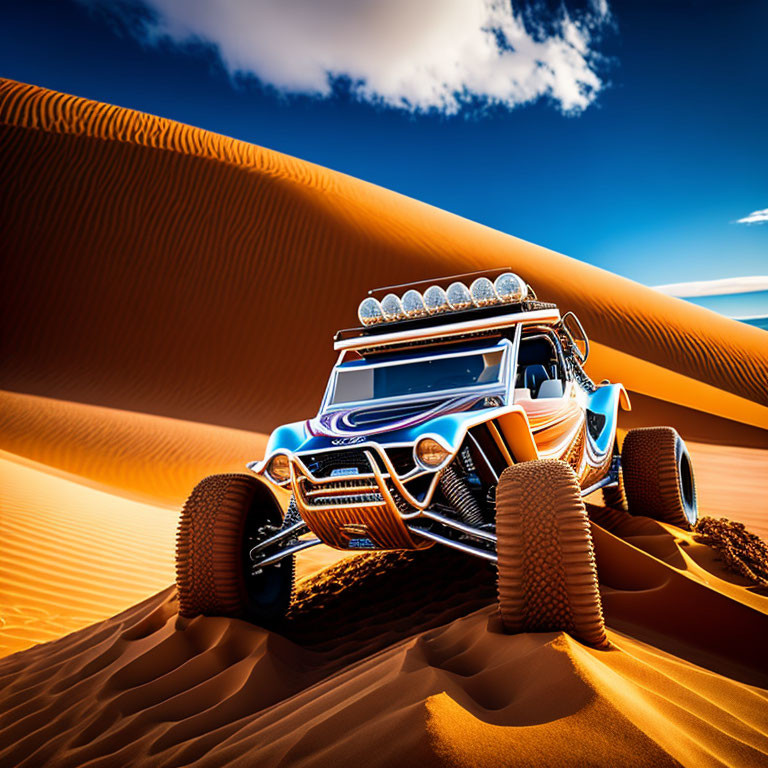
(547, 571)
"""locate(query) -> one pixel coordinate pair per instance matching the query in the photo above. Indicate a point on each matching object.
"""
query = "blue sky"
(643, 169)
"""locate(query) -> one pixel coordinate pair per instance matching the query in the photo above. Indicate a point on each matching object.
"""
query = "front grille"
(323, 464)
(341, 485)
(338, 493)
(336, 501)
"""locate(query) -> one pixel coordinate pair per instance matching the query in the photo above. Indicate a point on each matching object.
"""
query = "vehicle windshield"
(361, 381)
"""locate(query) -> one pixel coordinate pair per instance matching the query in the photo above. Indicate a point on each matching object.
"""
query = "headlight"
(279, 468)
(413, 304)
(459, 296)
(483, 293)
(430, 453)
(435, 300)
(509, 287)
(369, 312)
(392, 308)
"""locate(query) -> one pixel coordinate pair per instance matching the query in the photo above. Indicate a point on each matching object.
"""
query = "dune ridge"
(172, 255)
(152, 458)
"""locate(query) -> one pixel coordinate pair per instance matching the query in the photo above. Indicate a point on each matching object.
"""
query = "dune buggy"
(458, 414)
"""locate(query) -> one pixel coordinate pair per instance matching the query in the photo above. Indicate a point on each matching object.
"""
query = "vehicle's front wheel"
(219, 523)
(658, 476)
(547, 573)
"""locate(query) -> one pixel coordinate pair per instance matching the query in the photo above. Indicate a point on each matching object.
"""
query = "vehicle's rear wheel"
(547, 573)
(658, 476)
(219, 523)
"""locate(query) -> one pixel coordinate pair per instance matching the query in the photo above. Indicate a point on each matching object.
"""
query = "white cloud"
(723, 287)
(756, 217)
(416, 55)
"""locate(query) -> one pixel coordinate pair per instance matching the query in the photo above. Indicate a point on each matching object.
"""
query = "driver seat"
(533, 377)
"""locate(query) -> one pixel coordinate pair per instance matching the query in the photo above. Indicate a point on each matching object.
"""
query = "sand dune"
(92, 494)
(191, 284)
(75, 552)
(73, 555)
(201, 278)
(424, 676)
(731, 482)
(151, 458)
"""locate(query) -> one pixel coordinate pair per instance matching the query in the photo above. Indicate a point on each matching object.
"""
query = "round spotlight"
(483, 292)
(370, 312)
(413, 304)
(430, 454)
(459, 296)
(392, 308)
(435, 300)
(510, 287)
(279, 468)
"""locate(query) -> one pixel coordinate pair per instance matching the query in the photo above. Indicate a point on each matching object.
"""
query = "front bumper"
(353, 497)
(358, 511)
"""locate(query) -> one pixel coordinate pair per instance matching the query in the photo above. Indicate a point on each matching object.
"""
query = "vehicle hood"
(449, 428)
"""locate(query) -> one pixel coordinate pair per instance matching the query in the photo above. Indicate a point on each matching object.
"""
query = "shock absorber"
(460, 498)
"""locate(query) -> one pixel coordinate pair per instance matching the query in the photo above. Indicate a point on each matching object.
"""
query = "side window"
(540, 372)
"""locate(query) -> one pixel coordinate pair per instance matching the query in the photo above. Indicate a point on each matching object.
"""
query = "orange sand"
(76, 552)
(151, 458)
(374, 674)
(168, 296)
(733, 482)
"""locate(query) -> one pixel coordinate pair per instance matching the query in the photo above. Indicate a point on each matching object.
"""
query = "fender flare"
(624, 403)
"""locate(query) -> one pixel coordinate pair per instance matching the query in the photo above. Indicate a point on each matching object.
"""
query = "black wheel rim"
(687, 487)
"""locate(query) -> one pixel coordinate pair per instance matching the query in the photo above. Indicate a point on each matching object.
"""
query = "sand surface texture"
(168, 297)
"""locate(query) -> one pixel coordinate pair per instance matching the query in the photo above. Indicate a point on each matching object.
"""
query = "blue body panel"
(605, 400)
(448, 429)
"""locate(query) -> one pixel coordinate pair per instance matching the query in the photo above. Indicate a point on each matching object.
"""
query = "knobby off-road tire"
(547, 573)
(658, 476)
(213, 572)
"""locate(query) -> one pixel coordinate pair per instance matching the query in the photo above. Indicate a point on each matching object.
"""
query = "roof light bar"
(392, 308)
(413, 304)
(435, 300)
(508, 288)
(459, 296)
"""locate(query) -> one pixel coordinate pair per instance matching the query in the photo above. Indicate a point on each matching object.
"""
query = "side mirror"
(574, 330)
